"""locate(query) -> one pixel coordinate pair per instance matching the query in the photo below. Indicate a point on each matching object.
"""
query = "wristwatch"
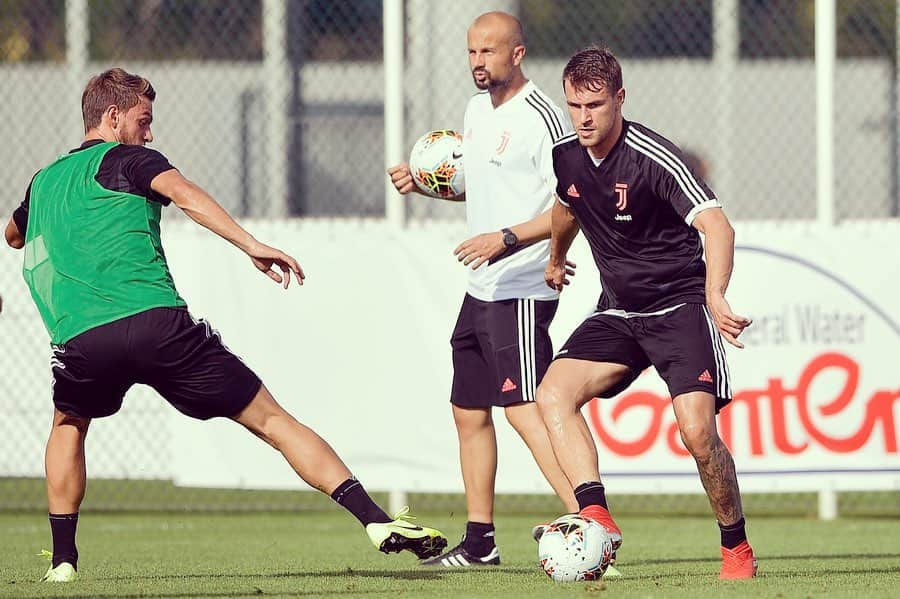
(509, 238)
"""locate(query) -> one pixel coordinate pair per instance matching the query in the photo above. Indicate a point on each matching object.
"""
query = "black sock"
(733, 534)
(591, 493)
(62, 528)
(351, 495)
(479, 539)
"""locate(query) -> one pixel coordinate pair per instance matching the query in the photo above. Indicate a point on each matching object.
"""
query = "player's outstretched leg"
(66, 481)
(317, 463)
(695, 413)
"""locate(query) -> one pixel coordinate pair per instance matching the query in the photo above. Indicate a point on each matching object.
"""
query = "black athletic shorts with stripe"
(501, 350)
(183, 359)
(683, 344)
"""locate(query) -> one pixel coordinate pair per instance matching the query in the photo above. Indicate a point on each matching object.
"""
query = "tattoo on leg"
(720, 481)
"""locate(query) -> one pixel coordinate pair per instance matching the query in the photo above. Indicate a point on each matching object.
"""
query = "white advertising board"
(361, 354)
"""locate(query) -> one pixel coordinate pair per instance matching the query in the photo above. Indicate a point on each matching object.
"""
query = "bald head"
(496, 49)
(503, 26)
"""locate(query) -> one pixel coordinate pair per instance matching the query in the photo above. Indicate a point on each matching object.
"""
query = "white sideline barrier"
(361, 354)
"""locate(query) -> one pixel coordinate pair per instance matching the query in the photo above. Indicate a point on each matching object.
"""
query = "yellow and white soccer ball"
(436, 164)
(573, 548)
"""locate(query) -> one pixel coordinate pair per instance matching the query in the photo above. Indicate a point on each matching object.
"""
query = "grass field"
(327, 555)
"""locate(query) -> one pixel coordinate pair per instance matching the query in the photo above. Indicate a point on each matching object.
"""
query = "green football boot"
(401, 534)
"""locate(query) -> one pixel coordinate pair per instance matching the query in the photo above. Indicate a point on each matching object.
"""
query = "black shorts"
(501, 350)
(165, 348)
(683, 345)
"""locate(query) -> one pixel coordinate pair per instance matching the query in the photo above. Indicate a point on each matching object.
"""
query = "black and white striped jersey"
(508, 154)
(636, 208)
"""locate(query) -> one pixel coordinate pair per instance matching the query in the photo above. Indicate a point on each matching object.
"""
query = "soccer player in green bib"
(97, 272)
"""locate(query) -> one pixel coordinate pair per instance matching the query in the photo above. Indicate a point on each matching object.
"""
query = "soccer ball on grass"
(573, 548)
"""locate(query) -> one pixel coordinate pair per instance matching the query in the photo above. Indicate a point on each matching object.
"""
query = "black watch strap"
(509, 238)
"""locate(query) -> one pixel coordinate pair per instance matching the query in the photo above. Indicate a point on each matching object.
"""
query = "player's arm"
(536, 229)
(695, 202)
(204, 210)
(719, 244)
(563, 229)
(18, 222)
(487, 246)
(14, 237)
(480, 249)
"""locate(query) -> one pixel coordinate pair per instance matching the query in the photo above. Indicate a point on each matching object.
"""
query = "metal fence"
(277, 108)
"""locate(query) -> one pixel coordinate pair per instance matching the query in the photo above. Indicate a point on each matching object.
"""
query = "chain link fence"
(276, 107)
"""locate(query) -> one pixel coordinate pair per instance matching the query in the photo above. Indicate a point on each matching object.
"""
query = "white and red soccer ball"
(573, 548)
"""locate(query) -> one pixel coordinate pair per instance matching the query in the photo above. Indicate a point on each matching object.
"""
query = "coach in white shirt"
(501, 344)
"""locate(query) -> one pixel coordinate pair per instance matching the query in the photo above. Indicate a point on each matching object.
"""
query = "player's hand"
(479, 249)
(557, 274)
(730, 325)
(402, 178)
(266, 258)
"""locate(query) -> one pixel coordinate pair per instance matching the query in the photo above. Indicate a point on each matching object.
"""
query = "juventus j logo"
(504, 139)
(622, 195)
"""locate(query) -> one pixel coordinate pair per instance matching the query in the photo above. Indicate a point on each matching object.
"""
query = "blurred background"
(289, 111)
(249, 88)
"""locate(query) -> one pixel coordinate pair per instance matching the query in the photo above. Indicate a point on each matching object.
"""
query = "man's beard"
(484, 83)
(488, 83)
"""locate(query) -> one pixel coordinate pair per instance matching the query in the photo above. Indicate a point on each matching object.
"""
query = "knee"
(549, 398)
(470, 421)
(699, 439)
(64, 424)
(524, 417)
(268, 426)
(266, 419)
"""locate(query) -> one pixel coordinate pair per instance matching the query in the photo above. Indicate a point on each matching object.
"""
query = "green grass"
(26, 494)
(327, 555)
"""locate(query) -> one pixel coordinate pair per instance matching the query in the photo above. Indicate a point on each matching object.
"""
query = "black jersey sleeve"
(557, 168)
(131, 169)
(671, 177)
(20, 215)
(560, 153)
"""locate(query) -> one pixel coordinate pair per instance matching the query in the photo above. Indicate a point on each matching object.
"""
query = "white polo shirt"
(510, 180)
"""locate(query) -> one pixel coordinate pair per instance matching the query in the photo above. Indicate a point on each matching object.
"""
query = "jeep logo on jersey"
(504, 140)
(622, 194)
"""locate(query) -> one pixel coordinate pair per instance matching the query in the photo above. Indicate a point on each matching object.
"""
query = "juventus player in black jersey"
(640, 208)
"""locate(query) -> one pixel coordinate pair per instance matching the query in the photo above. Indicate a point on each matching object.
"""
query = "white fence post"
(397, 500)
(277, 82)
(725, 60)
(826, 53)
(77, 39)
(394, 206)
(828, 504)
(895, 204)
